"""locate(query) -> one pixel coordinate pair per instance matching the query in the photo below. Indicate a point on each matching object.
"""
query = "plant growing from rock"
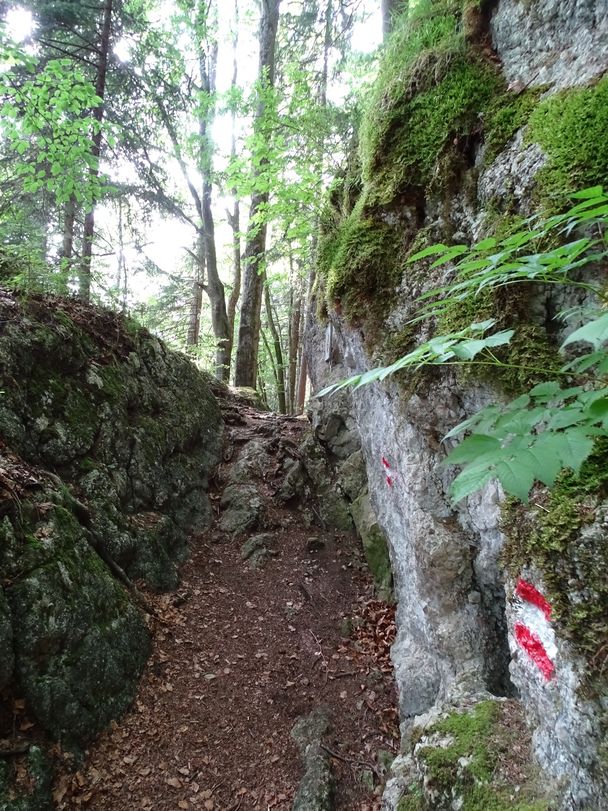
(556, 423)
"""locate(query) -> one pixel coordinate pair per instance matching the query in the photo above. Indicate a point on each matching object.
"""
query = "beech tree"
(254, 258)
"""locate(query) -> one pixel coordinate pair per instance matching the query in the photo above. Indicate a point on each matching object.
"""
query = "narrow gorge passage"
(267, 626)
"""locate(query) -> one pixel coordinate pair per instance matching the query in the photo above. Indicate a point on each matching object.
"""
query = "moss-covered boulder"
(26, 785)
(77, 641)
(107, 441)
(133, 427)
(6, 642)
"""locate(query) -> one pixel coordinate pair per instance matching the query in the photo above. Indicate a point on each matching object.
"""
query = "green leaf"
(575, 448)
(471, 447)
(545, 390)
(594, 332)
(585, 194)
(468, 481)
(432, 250)
(516, 476)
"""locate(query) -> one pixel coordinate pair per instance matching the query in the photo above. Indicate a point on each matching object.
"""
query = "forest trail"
(244, 648)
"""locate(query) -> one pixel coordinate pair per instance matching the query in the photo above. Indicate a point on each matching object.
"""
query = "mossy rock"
(39, 776)
(571, 127)
(468, 759)
(80, 645)
(134, 427)
(375, 545)
(6, 642)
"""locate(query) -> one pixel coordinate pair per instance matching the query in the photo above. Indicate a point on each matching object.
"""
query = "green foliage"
(452, 348)
(529, 439)
(48, 124)
(571, 128)
(551, 428)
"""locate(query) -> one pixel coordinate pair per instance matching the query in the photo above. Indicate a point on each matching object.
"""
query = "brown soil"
(239, 654)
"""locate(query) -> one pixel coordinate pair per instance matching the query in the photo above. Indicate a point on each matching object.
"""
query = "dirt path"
(239, 654)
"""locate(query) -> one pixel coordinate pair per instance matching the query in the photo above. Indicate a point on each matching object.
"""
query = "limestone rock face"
(456, 606)
(107, 441)
(557, 42)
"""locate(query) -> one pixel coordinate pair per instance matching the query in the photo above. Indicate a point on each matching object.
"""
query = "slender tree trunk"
(255, 250)
(389, 9)
(271, 358)
(215, 287)
(196, 297)
(294, 344)
(122, 286)
(98, 112)
(234, 217)
(308, 314)
(278, 351)
(263, 392)
(67, 246)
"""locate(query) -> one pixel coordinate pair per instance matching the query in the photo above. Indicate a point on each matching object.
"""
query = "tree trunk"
(294, 343)
(100, 88)
(278, 351)
(196, 298)
(389, 9)
(255, 250)
(215, 287)
(308, 312)
(234, 217)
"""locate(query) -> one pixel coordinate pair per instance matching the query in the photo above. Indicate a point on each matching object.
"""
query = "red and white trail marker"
(390, 476)
(532, 629)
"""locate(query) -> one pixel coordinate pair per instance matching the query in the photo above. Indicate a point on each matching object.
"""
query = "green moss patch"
(479, 757)
(407, 152)
(507, 114)
(364, 260)
(571, 128)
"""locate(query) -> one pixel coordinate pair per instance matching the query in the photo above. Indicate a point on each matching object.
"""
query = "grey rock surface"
(242, 506)
(315, 791)
(556, 42)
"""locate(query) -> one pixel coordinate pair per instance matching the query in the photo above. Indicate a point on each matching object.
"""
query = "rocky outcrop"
(107, 441)
(438, 164)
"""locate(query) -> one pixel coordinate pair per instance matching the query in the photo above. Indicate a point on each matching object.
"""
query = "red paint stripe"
(385, 463)
(528, 592)
(535, 650)
(389, 481)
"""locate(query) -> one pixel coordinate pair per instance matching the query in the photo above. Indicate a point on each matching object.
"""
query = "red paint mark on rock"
(390, 478)
(535, 649)
(528, 592)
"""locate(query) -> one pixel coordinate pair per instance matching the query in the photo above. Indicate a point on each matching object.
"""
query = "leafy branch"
(535, 436)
